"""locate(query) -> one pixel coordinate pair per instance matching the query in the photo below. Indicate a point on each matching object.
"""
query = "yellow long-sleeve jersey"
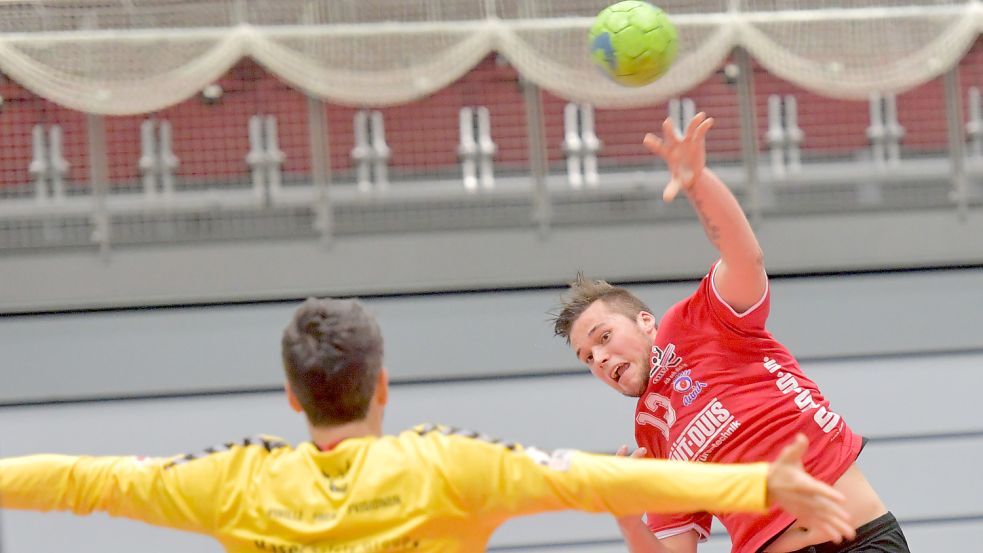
(432, 489)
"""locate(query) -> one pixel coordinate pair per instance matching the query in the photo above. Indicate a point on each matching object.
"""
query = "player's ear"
(645, 321)
(382, 387)
(292, 399)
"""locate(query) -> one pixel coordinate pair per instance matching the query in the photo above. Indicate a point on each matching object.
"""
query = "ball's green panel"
(631, 43)
(616, 21)
(634, 42)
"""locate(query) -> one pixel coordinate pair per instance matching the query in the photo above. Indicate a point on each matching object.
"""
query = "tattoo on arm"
(711, 228)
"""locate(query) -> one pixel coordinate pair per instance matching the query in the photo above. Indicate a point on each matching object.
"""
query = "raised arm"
(740, 278)
(183, 496)
(503, 483)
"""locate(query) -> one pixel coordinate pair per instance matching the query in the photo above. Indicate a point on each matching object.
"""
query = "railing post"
(99, 181)
(749, 135)
(320, 169)
(536, 133)
(957, 146)
(486, 149)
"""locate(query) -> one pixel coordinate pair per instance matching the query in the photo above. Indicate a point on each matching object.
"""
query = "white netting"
(850, 49)
(120, 57)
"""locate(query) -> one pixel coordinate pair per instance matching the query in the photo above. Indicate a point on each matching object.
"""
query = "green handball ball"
(633, 42)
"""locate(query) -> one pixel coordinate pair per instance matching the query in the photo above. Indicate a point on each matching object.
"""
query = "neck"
(330, 435)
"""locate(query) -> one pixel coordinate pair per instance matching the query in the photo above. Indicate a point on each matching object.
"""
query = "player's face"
(614, 347)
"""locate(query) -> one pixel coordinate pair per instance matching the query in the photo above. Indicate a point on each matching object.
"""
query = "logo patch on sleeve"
(558, 460)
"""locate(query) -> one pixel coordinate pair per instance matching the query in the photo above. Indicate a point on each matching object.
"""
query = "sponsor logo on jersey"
(788, 384)
(684, 384)
(705, 433)
(662, 361)
(337, 479)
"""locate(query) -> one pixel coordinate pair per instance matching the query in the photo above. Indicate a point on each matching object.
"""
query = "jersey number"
(659, 413)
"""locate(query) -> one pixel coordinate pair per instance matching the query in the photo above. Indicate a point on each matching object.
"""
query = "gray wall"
(473, 259)
(899, 355)
(455, 335)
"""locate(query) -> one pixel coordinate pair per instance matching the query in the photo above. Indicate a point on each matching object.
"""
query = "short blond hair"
(583, 292)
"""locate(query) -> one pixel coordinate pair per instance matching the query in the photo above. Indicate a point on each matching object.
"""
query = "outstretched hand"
(637, 454)
(816, 505)
(685, 155)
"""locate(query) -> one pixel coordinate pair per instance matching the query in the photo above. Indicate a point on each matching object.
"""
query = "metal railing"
(577, 185)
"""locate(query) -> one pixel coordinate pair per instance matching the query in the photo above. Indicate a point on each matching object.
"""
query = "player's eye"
(605, 336)
(589, 359)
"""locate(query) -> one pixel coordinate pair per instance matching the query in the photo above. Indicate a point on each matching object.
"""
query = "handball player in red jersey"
(712, 383)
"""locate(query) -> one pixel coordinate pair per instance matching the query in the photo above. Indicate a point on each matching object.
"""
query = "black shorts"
(881, 535)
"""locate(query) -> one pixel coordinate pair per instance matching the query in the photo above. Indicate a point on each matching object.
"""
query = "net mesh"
(119, 57)
(421, 67)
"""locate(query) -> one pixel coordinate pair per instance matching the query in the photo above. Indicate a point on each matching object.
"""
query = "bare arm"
(740, 277)
(641, 540)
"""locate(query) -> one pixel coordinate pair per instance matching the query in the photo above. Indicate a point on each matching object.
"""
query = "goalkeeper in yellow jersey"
(353, 490)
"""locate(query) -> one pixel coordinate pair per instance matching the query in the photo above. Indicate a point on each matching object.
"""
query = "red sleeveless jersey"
(722, 389)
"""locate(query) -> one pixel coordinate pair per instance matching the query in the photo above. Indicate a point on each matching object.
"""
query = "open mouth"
(619, 369)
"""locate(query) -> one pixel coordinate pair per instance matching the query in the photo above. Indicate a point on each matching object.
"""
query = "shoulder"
(692, 310)
(445, 433)
(261, 445)
(474, 449)
(705, 310)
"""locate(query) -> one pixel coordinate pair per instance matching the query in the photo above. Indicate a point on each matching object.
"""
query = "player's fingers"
(835, 530)
(829, 532)
(640, 452)
(654, 144)
(671, 190)
(825, 492)
(834, 518)
(621, 451)
(793, 452)
(694, 123)
(843, 526)
(669, 134)
(836, 510)
(701, 131)
(846, 530)
(819, 531)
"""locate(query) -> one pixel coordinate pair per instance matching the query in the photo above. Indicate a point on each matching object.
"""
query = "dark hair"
(332, 354)
(583, 292)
